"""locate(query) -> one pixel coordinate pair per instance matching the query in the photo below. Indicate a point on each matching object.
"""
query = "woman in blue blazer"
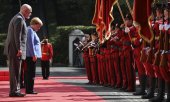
(33, 51)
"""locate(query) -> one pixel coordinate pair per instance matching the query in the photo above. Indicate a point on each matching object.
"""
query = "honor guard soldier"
(159, 48)
(150, 53)
(137, 47)
(165, 55)
(86, 57)
(115, 58)
(103, 64)
(129, 28)
(110, 61)
(123, 38)
(93, 59)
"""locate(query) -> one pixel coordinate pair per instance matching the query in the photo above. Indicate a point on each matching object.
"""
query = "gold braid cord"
(110, 14)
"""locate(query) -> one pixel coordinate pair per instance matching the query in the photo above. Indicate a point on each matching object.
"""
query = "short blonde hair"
(35, 21)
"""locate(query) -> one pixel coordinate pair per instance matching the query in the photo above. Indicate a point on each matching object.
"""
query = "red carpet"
(4, 75)
(51, 91)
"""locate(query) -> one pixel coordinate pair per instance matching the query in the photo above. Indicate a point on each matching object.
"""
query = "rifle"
(158, 53)
(151, 43)
(143, 53)
(86, 46)
(164, 59)
(151, 52)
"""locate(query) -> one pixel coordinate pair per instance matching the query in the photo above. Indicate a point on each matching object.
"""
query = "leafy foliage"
(75, 12)
(2, 57)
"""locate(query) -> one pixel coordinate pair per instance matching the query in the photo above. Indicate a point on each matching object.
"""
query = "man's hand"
(34, 58)
(161, 26)
(148, 50)
(167, 26)
(19, 53)
(127, 30)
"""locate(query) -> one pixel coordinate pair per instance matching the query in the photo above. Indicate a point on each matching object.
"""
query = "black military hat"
(94, 34)
(167, 6)
(158, 6)
(128, 17)
(162, 6)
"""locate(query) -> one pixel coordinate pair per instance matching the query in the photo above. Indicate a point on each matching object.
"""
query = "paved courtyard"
(77, 76)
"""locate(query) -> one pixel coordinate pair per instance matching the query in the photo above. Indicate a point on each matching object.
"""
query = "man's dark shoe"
(45, 78)
(167, 100)
(16, 95)
(33, 92)
(156, 99)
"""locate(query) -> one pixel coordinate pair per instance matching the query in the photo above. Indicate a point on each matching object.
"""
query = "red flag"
(107, 17)
(141, 15)
(103, 17)
(96, 19)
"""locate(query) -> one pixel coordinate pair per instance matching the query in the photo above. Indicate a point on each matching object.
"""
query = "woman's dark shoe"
(16, 95)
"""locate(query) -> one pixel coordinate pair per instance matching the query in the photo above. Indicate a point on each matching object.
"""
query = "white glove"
(112, 39)
(152, 25)
(132, 47)
(148, 50)
(127, 30)
(163, 52)
(167, 26)
(161, 26)
(116, 38)
(140, 40)
(75, 44)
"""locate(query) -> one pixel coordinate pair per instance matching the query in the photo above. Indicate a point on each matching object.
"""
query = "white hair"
(25, 7)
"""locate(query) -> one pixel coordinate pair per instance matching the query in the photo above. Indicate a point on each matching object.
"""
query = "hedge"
(2, 57)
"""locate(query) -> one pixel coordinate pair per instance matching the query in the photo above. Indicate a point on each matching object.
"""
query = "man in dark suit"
(15, 47)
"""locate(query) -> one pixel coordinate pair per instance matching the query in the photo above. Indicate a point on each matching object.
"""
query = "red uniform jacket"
(115, 45)
(135, 38)
(157, 33)
(47, 51)
(124, 38)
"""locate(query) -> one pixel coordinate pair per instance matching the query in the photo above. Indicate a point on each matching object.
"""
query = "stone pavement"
(77, 76)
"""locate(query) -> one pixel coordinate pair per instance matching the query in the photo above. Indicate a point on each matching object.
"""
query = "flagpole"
(120, 10)
(130, 9)
(123, 18)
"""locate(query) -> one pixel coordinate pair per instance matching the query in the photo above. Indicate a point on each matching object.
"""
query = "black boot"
(141, 91)
(150, 93)
(161, 92)
(168, 92)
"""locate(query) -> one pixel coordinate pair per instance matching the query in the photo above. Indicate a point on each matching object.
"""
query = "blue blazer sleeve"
(30, 42)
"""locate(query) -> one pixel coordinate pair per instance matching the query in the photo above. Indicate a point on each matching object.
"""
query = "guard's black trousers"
(45, 65)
